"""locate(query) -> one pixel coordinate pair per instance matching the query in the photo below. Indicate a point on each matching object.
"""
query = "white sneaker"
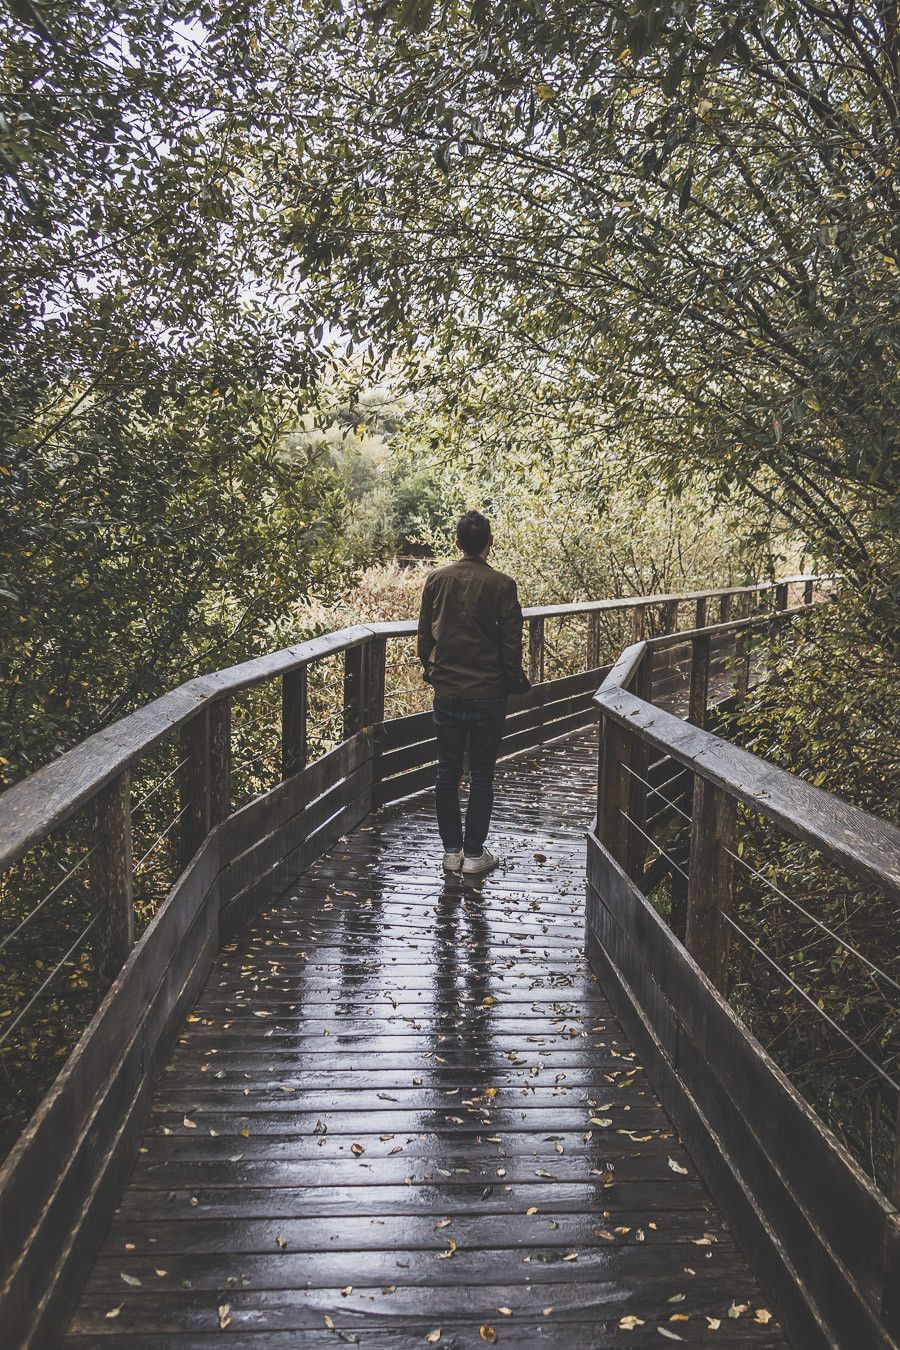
(453, 861)
(476, 866)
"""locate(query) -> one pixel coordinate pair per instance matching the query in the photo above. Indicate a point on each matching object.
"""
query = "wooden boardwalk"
(402, 1114)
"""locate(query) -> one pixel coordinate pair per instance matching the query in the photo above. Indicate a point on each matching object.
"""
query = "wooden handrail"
(866, 846)
(30, 809)
(665, 963)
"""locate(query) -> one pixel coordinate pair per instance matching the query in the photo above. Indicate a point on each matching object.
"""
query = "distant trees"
(670, 229)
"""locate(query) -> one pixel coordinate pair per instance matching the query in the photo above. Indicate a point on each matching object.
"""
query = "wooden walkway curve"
(402, 1113)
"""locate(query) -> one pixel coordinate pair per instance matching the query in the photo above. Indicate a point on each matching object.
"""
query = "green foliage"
(830, 708)
(673, 233)
(828, 711)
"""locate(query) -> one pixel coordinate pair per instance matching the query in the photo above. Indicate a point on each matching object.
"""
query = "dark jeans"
(475, 724)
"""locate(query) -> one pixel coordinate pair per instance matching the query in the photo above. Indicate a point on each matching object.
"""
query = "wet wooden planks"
(403, 1107)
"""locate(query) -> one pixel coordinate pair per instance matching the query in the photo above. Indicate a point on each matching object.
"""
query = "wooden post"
(713, 834)
(700, 613)
(896, 1178)
(781, 600)
(612, 789)
(294, 702)
(373, 682)
(678, 907)
(807, 592)
(219, 760)
(194, 786)
(742, 649)
(593, 640)
(637, 623)
(724, 608)
(699, 693)
(536, 650)
(353, 690)
(111, 879)
(638, 762)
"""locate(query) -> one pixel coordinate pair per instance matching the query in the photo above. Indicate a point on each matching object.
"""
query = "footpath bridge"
(328, 1096)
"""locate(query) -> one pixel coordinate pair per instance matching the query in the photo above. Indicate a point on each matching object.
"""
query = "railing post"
(699, 693)
(593, 640)
(724, 608)
(700, 613)
(638, 762)
(711, 868)
(742, 650)
(373, 681)
(612, 789)
(808, 592)
(111, 878)
(194, 786)
(219, 760)
(536, 650)
(776, 624)
(896, 1177)
(353, 690)
(294, 703)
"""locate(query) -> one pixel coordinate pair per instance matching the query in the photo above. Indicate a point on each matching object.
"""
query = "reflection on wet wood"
(402, 1106)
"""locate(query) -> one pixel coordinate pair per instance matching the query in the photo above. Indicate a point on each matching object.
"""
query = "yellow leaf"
(433, 1336)
(545, 92)
(629, 1323)
(487, 1333)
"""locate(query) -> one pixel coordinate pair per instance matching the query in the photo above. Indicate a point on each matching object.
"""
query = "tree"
(676, 226)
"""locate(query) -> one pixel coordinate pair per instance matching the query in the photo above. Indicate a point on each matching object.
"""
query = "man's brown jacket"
(470, 631)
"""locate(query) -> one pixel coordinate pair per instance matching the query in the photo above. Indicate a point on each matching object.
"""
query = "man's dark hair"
(473, 533)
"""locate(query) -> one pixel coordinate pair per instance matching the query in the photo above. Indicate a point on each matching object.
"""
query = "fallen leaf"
(281, 1242)
(487, 1333)
(547, 1311)
(224, 1319)
(762, 1315)
(190, 1124)
(114, 1312)
(714, 1323)
(130, 1279)
(451, 1248)
(629, 1323)
(669, 1335)
(532, 1209)
(433, 1336)
(737, 1309)
(328, 1322)
(357, 1149)
(507, 1312)
(677, 1167)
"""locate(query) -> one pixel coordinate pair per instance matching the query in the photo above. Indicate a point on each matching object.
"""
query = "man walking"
(470, 646)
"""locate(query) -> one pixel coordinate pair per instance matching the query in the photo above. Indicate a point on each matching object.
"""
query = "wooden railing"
(664, 860)
(62, 1177)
